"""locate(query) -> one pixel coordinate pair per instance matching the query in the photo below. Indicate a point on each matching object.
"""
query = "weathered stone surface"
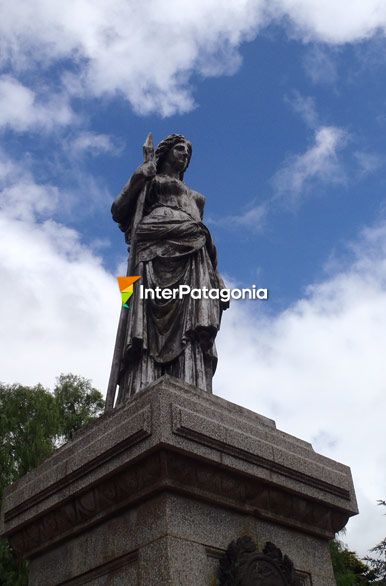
(243, 564)
(174, 476)
(170, 248)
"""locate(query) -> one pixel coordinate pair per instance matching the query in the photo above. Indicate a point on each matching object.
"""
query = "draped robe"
(173, 247)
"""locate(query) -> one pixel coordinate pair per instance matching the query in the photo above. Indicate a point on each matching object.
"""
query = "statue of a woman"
(172, 247)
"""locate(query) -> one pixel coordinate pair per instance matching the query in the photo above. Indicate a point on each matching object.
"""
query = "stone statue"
(169, 246)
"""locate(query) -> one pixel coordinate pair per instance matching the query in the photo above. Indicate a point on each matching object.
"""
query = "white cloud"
(320, 65)
(144, 51)
(148, 51)
(20, 196)
(334, 22)
(320, 162)
(253, 218)
(23, 197)
(298, 174)
(368, 162)
(318, 369)
(26, 199)
(95, 144)
(305, 107)
(22, 110)
(59, 306)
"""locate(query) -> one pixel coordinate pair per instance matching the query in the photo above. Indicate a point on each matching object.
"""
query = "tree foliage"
(13, 571)
(28, 425)
(349, 570)
(33, 422)
(77, 401)
(377, 561)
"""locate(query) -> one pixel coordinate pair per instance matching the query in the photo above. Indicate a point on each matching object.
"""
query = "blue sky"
(284, 102)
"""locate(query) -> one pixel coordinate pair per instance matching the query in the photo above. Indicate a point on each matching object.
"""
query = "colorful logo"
(126, 285)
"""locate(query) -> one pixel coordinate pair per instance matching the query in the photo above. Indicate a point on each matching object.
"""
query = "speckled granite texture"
(153, 492)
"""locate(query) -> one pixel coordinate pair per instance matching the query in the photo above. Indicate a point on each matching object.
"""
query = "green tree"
(29, 422)
(378, 561)
(33, 422)
(13, 571)
(349, 570)
(78, 403)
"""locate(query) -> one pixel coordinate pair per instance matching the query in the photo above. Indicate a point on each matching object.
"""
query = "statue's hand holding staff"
(147, 170)
(136, 190)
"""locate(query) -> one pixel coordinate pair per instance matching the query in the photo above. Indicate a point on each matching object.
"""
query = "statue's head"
(175, 151)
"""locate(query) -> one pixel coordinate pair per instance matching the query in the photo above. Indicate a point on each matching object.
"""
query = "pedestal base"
(153, 493)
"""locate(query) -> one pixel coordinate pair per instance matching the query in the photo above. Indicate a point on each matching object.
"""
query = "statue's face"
(178, 156)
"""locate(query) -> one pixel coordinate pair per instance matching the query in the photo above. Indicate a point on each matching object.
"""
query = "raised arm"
(123, 207)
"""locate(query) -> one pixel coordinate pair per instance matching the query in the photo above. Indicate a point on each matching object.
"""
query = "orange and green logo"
(126, 285)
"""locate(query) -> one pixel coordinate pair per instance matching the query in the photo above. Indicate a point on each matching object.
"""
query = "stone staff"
(148, 154)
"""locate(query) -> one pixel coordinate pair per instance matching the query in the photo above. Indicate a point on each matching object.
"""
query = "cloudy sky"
(284, 101)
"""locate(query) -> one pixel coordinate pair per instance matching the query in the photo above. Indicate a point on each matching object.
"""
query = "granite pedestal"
(153, 492)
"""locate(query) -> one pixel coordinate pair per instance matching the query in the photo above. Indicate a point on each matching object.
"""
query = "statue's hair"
(164, 147)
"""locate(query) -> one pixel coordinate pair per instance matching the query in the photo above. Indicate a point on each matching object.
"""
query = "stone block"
(154, 491)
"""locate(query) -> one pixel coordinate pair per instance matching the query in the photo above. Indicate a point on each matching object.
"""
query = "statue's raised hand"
(147, 170)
